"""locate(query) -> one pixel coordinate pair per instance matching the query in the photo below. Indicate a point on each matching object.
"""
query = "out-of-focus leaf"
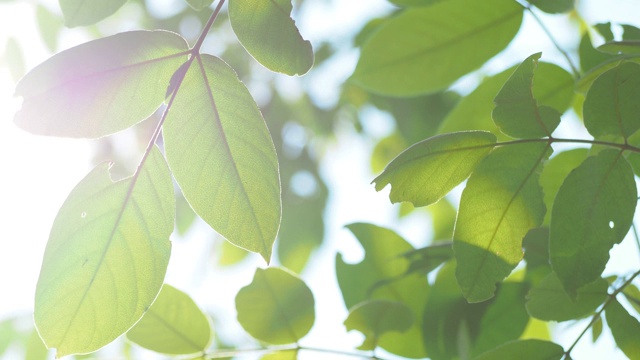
(381, 275)
(222, 156)
(266, 30)
(625, 329)
(596, 330)
(14, 58)
(428, 170)
(427, 259)
(630, 32)
(443, 217)
(8, 334)
(536, 246)
(589, 56)
(632, 294)
(82, 13)
(611, 107)
(548, 301)
(552, 86)
(604, 29)
(536, 329)
(35, 349)
(106, 257)
(592, 211)
(184, 215)
(585, 82)
(376, 317)
(49, 25)
(277, 307)
(414, 2)
(100, 87)
(386, 150)
(500, 204)
(554, 6)
(230, 254)
(525, 350)
(173, 325)
(482, 29)
(517, 112)
(630, 47)
(282, 355)
(555, 171)
(199, 4)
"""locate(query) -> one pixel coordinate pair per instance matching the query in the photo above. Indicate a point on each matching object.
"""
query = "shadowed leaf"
(376, 317)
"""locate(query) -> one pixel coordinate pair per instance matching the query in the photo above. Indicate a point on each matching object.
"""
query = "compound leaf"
(222, 156)
(376, 317)
(82, 12)
(100, 87)
(173, 325)
(106, 257)
(266, 30)
(592, 211)
(277, 307)
(428, 170)
(431, 56)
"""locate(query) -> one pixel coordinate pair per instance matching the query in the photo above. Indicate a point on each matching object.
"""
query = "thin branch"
(635, 234)
(230, 353)
(196, 48)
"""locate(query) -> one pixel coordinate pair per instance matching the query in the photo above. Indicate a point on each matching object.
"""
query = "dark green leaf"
(381, 275)
(589, 56)
(82, 12)
(376, 317)
(199, 4)
(482, 29)
(621, 47)
(517, 112)
(604, 29)
(584, 83)
(266, 30)
(427, 259)
(100, 87)
(530, 349)
(548, 301)
(428, 170)
(625, 329)
(106, 257)
(554, 6)
(536, 249)
(592, 211)
(611, 107)
(500, 204)
(173, 325)
(277, 307)
(222, 156)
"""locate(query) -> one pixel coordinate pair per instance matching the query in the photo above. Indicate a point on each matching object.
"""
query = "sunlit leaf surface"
(106, 257)
(376, 317)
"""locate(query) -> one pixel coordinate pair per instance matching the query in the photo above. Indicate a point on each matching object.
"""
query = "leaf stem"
(635, 234)
(551, 140)
(196, 48)
(235, 352)
(574, 69)
(597, 315)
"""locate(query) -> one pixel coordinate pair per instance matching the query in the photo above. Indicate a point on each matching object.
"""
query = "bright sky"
(38, 173)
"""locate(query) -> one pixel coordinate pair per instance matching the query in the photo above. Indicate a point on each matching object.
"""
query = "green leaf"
(517, 112)
(536, 251)
(266, 30)
(222, 156)
(100, 87)
(585, 82)
(430, 56)
(589, 56)
(625, 329)
(621, 47)
(610, 107)
(82, 12)
(592, 211)
(429, 258)
(500, 204)
(199, 4)
(428, 170)
(35, 349)
(552, 86)
(555, 171)
(414, 2)
(525, 350)
(282, 355)
(632, 294)
(277, 307)
(49, 26)
(382, 275)
(554, 6)
(596, 329)
(173, 325)
(376, 317)
(548, 301)
(106, 257)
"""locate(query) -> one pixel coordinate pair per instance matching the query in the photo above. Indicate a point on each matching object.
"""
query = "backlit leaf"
(611, 106)
(625, 329)
(277, 307)
(430, 56)
(548, 301)
(173, 325)
(429, 258)
(585, 82)
(82, 12)
(428, 170)
(221, 154)
(106, 257)
(517, 112)
(530, 349)
(555, 171)
(381, 275)
(100, 87)
(500, 204)
(199, 4)
(376, 317)
(592, 211)
(266, 30)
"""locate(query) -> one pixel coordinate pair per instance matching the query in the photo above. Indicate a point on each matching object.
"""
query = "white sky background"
(37, 173)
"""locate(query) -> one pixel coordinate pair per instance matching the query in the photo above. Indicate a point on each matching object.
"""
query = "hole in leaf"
(83, 215)
(611, 224)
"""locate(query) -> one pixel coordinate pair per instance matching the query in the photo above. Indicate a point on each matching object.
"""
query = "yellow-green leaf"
(277, 307)
(222, 155)
(500, 204)
(430, 57)
(174, 324)
(625, 329)
(83, 12)
(376, 317)
(106, 257)
(266, 30)
(199, 4)
(428, 170)
(100, 87)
